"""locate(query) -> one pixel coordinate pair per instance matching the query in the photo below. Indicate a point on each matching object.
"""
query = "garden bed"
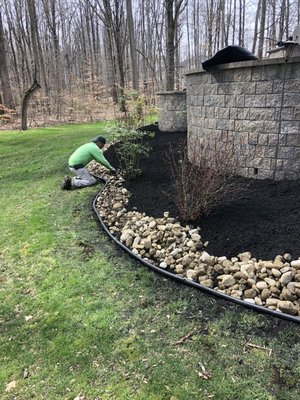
(242, 261)
(263, 219)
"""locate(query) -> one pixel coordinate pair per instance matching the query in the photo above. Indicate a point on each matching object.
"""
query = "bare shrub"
(6, 114)
(203, 175)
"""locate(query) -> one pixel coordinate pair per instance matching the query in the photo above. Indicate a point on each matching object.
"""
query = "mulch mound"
(263, 219)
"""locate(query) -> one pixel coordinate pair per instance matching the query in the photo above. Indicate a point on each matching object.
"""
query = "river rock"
(295, 264)
(262, 285)
(286, 278)
(245, 256)
(250, 293)
(228, 280)
(276, 273)
(240, 275)
(287, 307)
(287, 295)
(265, 294)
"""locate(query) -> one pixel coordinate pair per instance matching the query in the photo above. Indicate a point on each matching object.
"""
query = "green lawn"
(79, 319)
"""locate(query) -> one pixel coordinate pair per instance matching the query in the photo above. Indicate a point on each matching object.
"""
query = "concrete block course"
(173, 110)
(256, 106)
(253, 105)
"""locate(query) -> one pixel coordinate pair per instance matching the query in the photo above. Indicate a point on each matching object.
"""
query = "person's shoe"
(66, 183)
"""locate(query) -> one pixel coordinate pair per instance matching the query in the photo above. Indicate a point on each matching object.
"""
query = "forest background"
(66, 61)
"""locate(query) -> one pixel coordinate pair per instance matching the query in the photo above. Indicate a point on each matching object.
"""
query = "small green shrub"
(137, 108)
(129, 149)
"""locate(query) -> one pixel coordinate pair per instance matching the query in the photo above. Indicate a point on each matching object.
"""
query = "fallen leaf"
(11, 385)
(203, 374)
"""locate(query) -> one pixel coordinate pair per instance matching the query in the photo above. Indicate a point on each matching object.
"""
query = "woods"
(86, 55)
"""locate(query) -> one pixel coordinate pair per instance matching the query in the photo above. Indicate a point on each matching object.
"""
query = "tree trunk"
(36, 68)
(262, 28)
(134, 66)
(7, 97)
(255, 34)
(170, 48)
(25, 103)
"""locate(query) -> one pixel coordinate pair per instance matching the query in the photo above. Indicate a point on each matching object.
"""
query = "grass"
(79, 319)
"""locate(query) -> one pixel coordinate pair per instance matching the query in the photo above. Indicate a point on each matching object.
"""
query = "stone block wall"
(172, 111)
(255, 106)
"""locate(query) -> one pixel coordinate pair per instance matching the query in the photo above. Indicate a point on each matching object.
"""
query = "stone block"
(243, 113)
(260, 163)
(290, 127)
(288, 114)
(273, 100)
(286, 152)
(223, 88)
(271, 126)
(270, 151)
(274, 139)
(293, 140)
(223, 112)
(291, 99)
(225, 124)
(253, 138)
(276, 164)
(265, 174)
(277, 86)
(242, 88)
(291, 175)
(260, 151)
(272, 71)
(255, 100)
(242, 75)
(230, 101)
(233, 112)
(279, 175)
(291, 165)
(264, 87)
(214, 100)
(292, 86)
(263, 139)
(266, 114)
(256, 74)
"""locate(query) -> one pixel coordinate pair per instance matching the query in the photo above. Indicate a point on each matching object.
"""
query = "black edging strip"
(187, 281)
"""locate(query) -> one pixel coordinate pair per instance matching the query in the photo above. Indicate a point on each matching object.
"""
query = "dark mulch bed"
(264, 219)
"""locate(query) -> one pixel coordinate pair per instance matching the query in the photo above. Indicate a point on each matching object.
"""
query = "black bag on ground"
(228, 55)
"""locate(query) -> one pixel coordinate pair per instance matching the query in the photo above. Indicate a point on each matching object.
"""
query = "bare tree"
(88, 52)
(7, 96)
(35, 85)
(133, 54)
(262, 28)
(173, 10)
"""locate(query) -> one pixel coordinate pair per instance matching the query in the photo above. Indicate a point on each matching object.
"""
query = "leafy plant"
(137, 107)
(129, 149)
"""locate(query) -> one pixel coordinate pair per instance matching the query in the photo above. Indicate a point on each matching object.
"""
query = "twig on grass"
(249, 345)
(184, 338)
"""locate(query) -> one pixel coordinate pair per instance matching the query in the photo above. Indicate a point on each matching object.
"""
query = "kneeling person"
(80, 158)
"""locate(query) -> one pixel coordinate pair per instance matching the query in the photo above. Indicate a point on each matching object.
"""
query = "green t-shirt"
(86, 153)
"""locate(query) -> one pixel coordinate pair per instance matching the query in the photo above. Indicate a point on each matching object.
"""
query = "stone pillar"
(255, 106)
(172, 111)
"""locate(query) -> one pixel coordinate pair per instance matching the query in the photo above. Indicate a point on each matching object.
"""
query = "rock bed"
(164, 242)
